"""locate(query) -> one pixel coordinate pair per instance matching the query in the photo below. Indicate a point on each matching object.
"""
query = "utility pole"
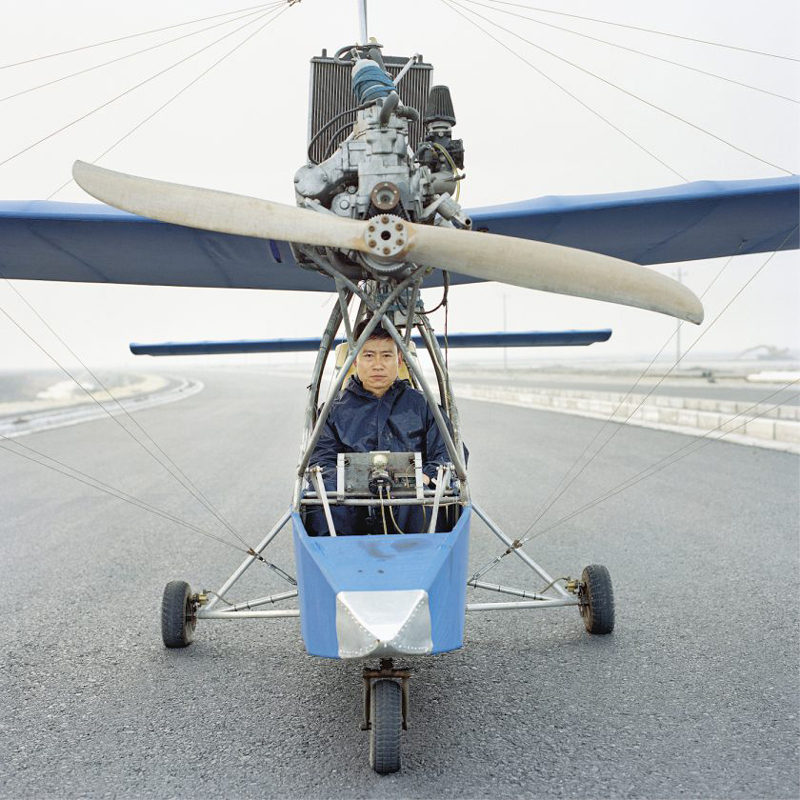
(505, 329)
(678, 324)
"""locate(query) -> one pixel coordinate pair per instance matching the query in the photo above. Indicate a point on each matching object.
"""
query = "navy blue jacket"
(360, 422)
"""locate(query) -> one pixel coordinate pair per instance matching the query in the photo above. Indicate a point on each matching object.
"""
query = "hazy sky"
(242, 128)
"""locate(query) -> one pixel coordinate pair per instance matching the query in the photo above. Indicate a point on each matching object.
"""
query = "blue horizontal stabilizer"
(41, 240)
(501, 339)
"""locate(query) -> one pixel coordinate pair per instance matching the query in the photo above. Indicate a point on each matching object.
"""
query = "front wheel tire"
(597, 599)
(386, 724)
(178, 615)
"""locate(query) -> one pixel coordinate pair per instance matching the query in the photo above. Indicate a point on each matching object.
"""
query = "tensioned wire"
(140, 84)
(133, 36)
(175, 96)
(558, 491)
(661, 380)
(176, 473)
(621, 425)
(633, 50)
(695, 443)
(138, 52)
(701, 442)
(568, 92)
(193, 490)
(95, 483)
(625, 91)
(646, 30)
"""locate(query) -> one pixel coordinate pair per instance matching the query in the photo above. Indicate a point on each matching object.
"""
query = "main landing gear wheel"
(178, 615)
(596, 597)
(386, 723)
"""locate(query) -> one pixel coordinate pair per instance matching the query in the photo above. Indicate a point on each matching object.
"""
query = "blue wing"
(94, 243)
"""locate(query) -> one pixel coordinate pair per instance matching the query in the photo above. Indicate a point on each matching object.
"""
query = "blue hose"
(370, 82)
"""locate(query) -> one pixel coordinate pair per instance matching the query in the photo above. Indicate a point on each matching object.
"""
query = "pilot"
(377, 410)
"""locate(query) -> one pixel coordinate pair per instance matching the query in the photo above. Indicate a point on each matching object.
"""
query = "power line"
(130, 36)
(637, 52)
(128, 55)
(633, 95)
(567, 92)
(647, 30)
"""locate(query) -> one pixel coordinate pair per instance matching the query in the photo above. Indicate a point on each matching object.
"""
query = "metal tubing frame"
(203, 613)
(261, 601)
(554, 603)
(337, 384)
(277, 528)
(540, 571)
(498, 587)
(393, 501)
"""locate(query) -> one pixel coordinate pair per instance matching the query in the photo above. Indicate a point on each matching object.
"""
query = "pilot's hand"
(426, 479)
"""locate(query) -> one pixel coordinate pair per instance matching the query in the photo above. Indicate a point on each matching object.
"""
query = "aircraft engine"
(374, 171)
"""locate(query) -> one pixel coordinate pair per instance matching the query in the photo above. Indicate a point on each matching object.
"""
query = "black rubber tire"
(386, 724)
(597, 599)
(178, 615)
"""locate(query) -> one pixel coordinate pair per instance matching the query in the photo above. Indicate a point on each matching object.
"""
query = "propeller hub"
(386, 237)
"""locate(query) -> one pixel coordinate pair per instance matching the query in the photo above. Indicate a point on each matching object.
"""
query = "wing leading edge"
(94, 243)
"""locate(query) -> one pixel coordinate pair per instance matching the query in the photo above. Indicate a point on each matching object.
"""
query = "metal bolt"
(398, 226)
(372, 243)
(372, 229)
(384, 220)
(399, 242)
(386, 251)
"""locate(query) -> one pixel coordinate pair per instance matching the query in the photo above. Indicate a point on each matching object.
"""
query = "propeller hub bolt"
(386, 237)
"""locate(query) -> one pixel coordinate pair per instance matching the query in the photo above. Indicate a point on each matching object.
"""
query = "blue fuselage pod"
(395, 595)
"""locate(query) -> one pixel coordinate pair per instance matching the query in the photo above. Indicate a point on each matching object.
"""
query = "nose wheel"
(385, 714)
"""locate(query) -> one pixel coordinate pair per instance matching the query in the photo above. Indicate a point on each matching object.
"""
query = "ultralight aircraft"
(377, 217)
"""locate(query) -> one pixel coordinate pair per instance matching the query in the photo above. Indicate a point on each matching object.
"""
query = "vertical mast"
(362, 15)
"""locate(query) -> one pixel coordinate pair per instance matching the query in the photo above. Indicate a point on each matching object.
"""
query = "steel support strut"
(248, 561)
(514, 547)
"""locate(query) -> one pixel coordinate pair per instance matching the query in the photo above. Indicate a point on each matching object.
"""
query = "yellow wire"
(383, 513)
(452, 166)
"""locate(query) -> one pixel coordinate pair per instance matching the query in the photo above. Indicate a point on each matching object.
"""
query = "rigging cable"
(85, 478)
(559, 491)
(629, 93)
(130, 36)
(179, 475)
(132, 500)
(646, 30)
(667, 373)
(568, 92)
(698, 443)
(136, 53)
(138, 85)
(174, 97)
(633, 50)
(701, 442)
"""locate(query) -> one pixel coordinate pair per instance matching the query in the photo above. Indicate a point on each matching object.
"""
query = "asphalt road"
(694, 695)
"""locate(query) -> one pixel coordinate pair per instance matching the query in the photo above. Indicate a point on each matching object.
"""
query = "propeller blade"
(213, 210)
(551, 268)
(519, 262)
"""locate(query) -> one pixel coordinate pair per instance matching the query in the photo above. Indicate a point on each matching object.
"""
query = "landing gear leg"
(385, 714)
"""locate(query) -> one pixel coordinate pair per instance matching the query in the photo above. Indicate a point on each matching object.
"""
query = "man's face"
(377, 365)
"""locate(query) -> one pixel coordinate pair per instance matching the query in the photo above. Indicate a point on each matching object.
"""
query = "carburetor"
(374, 172)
